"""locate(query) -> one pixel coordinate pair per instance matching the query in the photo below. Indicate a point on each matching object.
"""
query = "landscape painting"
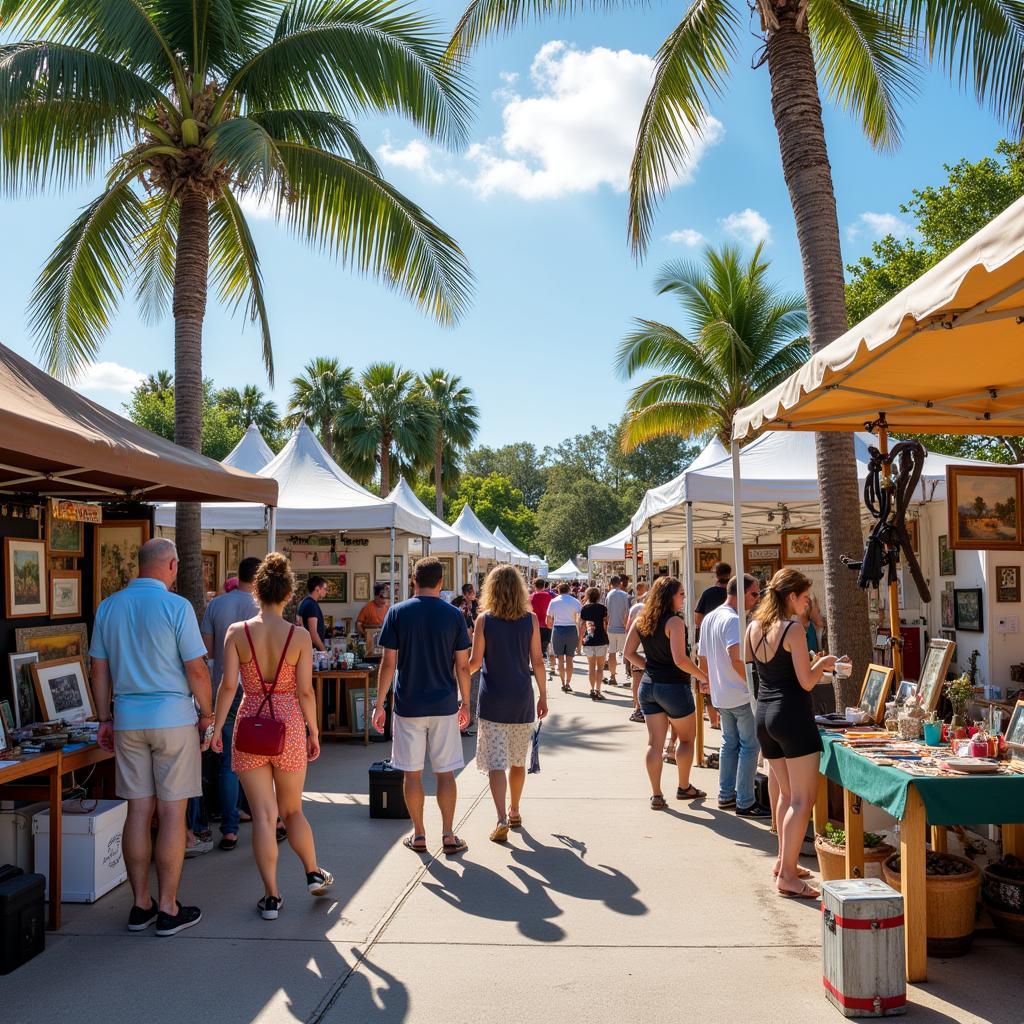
(117, 555)
(984, 508)
(25, 570)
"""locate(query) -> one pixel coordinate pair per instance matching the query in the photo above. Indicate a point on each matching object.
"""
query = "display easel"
(881, 427)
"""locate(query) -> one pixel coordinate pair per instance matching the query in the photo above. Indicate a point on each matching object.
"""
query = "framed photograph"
(63, 690)
(116, 556)
(65, 594)
(25, 577)
(946, 604)
(985, 508)
(361, 586)
(947, 557)
(875, 690)
(762, 561)
(801, 547)
(937, 656)
(382, 567)
(233, 548)
(337, 586)
(51, 643)
(704, 559)
(211, 572)
(907, 689)
(65, 538)
(1008, 584)
(6, 720)
(23, 689)
(967, 609)
(1015, 732)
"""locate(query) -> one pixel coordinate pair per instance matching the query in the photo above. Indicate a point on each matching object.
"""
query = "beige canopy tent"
(56, 443)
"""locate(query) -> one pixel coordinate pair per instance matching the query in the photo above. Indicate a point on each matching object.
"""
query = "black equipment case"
(22, 921)
(386, 797)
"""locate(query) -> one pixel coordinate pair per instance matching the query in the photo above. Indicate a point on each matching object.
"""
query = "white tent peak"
(469, 525)
(251, 453)
(519, 556)
(569, 570)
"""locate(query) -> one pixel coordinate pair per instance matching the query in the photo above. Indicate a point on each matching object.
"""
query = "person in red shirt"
(540, 599)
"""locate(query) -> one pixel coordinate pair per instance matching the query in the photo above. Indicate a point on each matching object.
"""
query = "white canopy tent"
(252, 453)
(519, 557)
(539, 566)
(613, 549)
(443, 538)
(568, 571)
(468, 525)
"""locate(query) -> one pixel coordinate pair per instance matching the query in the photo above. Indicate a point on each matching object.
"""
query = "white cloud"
(509, 77)
(414, 156)
(685, 236)
(257, 207)
(109, 377)
(748, 226)
(878, 225)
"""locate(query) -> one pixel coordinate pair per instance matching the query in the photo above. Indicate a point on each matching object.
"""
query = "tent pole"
(391, 561)
(632, 548)
(650, 553)
(688, 586)
(272, 531)
(737, 540)
(896, 640)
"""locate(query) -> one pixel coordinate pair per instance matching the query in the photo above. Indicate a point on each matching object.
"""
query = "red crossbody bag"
(259, 734)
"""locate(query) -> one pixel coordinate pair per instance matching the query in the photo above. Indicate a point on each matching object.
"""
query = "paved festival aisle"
(599, 910)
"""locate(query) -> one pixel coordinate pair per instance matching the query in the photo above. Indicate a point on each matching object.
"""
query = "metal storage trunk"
(862, 947)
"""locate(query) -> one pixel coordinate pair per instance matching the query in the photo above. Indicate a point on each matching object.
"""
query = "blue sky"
(538, 206)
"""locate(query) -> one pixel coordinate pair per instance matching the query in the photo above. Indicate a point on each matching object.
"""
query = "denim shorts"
(672, 699)
(564, 640)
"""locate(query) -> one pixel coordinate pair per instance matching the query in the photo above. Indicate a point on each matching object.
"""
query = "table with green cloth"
(917, 802)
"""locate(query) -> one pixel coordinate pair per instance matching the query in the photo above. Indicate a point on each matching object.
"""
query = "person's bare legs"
(594, 671)
(612, 667)
(412, 788)
(778, 775)
(170, 851)
(516, 782)
(561, 669)
(137, 842)
(685, 730)
(447, 793)
(657, 726)
(803, 788)
(498, 790)
(258, 784)
(289, 786)
(634, 681)
(670, 741)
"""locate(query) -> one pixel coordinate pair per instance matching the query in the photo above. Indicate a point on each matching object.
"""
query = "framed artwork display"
(65, 538)
(907, 689)
(6, 722)
(937, 656)
(25, 577)
(51, 643)
(65, 594)
(946, 602)
(116, 555)
(948, 634)
(23, 688)
(704, 559)
(1008, 584)
(875, 690)
(448, 580)
(967, 609)
(801, 547)
(382, 567)
(337, 586)
(985, 508)
(1015, 732)
(233, 548)
(63, 690)
(211, 572)
(360, 586)
(947, 557)
(762, 561)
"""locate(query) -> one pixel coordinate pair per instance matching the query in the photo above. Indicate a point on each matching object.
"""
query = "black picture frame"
(968, 609)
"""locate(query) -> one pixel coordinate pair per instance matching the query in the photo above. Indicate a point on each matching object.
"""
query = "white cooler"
(92, 862)
(16, 835)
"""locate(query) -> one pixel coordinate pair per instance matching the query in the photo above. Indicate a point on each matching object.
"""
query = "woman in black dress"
(786, 730)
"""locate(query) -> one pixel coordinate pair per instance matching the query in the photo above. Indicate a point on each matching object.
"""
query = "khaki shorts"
(616, 643)
(164, 763)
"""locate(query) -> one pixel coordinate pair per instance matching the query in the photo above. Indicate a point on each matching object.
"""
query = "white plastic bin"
(16, 835)
(92, 862)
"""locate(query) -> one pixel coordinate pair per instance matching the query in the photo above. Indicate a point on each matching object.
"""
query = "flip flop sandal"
(409, 842)
(500, 833)
(227, 844)
(515, 820)
(806, 893)
(801, 872)
(658, 803)
(455, 848)
(668, 759)
(690, 793)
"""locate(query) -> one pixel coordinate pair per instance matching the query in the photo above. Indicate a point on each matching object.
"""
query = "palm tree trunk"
(438, 472)
(385, 466)
(191, 265)
(327, 436)
(796, 107)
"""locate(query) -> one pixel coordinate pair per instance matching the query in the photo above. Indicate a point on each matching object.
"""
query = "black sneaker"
(139, 920)
(755, 810)
(168, 924)
(727, 805)
(269, 906)
(319, 881)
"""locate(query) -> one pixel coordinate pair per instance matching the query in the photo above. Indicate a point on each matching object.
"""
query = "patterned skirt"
(502, 745)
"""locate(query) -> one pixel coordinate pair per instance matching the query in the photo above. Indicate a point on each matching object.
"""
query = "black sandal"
(658, 803)
(690, 793)
(228, 844)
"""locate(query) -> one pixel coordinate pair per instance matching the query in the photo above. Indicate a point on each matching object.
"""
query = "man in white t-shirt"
(564, 622)
(722, 655)
(617, 602)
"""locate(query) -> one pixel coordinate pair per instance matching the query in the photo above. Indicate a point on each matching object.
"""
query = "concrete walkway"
(599, 910)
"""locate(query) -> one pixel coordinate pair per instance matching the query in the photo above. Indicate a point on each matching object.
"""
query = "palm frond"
(655, 345)
(673, 387)
(318, 129)
(154, 287)
(668, 419)
(246, 147)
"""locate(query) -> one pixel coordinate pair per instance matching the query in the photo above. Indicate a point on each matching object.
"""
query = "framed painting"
(801, 547)
(762, 561)
(985, 508)
(65, 594)
(116, 555)
(52, 643)
(448, 580)
(234, 553)
(1008, 584)
(704, 559)
(875, 690)
(361, 586)
(337, 586)
(1015, 732)
(937, 656)
(946, 603)
(23, 689)
(65, 538)
(25, 577)
(907, 689)
(382, 568)
(947, 557)
(63, 690)
(211, 572)
(6, 721)
(967, 610)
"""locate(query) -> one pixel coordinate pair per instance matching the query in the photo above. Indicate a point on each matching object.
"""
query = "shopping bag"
(535, 751)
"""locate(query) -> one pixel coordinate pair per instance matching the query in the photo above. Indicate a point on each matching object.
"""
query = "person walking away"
(467, 603)
(785, 718)
(147, 650)
(506, 647)
(236, 605)
(635, 674)
(540, 599)
(426, 653)
(371, 615)
(617, 602)
(709, 600)
(310, 615)
(564, 622)
(720, 652)
(594, 623)
(665, 691)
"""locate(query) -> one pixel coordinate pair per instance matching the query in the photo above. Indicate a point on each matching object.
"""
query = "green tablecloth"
(957, 800)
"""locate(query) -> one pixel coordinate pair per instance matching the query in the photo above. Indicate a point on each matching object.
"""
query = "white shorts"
(616, 643)
(437, 735)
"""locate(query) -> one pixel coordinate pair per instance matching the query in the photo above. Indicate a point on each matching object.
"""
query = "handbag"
(259, 734)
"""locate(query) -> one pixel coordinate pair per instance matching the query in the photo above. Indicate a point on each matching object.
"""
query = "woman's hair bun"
(274, 580)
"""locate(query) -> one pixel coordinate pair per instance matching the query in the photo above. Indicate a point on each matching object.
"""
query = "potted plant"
(1002, 893)
(951, 900)
(959, 693)
(831, 850)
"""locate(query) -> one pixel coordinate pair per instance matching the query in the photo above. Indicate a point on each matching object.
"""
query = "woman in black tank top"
(786, 729)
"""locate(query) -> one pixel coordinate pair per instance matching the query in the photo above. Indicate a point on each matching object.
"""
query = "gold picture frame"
(116, 555)
(705, 559)
(211, 572)
(932, 677)
(63, 691)
(801, 547)
(874, 690)
(25, 585)
(51, 643)
(984, 508)
(65, 594)
(65, 538)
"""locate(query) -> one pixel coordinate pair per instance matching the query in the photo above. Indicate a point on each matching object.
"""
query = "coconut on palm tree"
(387, 426)
(455, 425)
(250, 405)
(743, 335)
(318, 397)
(188, 107)
(866, 56)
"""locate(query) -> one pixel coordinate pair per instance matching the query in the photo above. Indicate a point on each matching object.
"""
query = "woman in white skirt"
(506, 646)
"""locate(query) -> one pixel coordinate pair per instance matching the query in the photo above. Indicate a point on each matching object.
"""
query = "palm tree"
(318, 396)
(866, 54)
(192, 106)
(386, 425)
(158, 384)
(743, 337)
(455, 426)
(250, 405)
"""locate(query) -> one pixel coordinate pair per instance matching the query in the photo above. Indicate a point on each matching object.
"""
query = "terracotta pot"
(832, 858)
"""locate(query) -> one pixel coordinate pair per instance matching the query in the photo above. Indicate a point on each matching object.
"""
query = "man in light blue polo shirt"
(147, 648)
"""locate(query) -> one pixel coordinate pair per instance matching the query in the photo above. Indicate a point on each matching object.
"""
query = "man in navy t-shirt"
(425, 639)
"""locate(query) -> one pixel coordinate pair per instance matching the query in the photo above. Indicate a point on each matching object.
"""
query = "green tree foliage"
(251, 405)
(456, 422)
(520, 462)
(574, 516)
(497, 503)
(318, 397)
